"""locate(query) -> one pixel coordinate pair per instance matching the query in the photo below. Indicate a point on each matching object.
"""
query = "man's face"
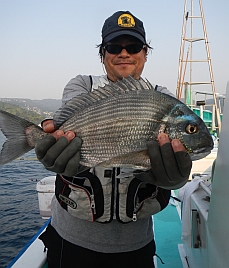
(124, 64)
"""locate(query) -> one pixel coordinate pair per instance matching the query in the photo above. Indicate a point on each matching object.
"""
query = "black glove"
(169, 170)
(59, 156)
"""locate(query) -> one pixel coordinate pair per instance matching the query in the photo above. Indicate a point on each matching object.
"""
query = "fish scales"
(104, 128)
(116, 121)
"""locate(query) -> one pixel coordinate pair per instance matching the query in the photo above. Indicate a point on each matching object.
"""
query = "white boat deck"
(32, 255)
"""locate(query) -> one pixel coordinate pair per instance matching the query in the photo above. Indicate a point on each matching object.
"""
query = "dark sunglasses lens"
(131, 49)
(113, 49)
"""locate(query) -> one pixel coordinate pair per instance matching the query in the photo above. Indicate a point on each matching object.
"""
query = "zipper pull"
(93, 203)
(135, 211)
(134, 216)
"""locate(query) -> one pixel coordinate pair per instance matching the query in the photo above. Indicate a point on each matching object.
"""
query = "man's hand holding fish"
(59, 152)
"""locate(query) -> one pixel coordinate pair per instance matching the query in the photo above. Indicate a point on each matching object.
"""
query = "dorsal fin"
(131, 83)
(88, 99)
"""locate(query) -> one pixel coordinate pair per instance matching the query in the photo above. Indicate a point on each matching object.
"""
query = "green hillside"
(24, 113)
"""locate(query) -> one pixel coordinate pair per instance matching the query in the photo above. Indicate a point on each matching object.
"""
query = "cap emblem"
(126, 20)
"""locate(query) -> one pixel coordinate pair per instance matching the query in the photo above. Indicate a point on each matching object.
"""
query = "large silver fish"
(114, 122)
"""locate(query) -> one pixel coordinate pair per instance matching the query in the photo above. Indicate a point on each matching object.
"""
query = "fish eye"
(191, 129)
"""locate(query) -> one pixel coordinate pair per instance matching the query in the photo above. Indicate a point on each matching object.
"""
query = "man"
(117, 234)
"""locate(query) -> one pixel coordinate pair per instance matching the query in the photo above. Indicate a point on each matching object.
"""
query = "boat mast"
(186, 59)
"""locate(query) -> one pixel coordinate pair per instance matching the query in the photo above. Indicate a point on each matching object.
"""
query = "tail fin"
(13, 127)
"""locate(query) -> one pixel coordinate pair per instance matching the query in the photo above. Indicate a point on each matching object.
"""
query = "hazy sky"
(44, 43)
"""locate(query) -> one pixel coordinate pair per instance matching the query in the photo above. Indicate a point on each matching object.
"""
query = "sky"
(45, 43)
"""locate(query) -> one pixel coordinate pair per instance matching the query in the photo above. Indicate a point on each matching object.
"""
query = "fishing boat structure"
(192, 233)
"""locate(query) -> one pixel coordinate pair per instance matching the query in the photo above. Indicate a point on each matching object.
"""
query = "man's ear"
(102, 53)
(146, 53)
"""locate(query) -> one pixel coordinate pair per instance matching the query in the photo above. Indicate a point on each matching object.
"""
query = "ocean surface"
(19, 210)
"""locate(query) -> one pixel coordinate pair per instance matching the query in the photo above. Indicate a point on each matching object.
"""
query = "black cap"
(120, 23)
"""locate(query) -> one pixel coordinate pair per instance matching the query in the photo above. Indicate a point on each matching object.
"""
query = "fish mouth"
(201, 153)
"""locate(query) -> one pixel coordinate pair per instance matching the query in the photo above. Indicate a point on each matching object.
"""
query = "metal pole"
(210, 67)
(185, 18)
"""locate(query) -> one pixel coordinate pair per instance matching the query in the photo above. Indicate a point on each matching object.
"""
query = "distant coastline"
(32, 110)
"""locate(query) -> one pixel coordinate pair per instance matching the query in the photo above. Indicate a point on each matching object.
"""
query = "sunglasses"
(131, 49)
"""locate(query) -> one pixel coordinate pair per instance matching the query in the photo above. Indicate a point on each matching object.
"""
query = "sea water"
(19, 211)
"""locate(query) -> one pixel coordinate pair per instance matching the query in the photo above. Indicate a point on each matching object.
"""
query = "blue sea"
(19, 210)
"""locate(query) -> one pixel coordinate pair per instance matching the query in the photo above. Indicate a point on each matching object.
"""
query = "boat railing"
(205, 108)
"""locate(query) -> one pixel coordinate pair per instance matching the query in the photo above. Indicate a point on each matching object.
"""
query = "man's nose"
(124, 53)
